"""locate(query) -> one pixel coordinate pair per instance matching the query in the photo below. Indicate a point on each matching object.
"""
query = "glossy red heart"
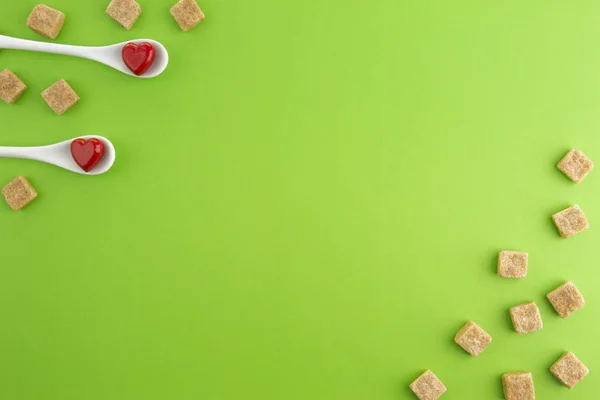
(138, 57)
(87, 153)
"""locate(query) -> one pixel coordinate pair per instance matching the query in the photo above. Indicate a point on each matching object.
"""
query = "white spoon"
(59, 154)
(108, 55)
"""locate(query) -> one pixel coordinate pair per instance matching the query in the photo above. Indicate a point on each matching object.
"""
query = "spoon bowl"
(108, 55)
(59, 154)
(112, 57)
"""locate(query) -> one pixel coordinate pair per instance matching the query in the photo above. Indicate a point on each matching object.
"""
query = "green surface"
(308, 204)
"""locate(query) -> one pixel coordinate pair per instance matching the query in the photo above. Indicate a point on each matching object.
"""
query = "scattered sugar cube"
(569, 370)
(472, 338)
(428, 386)
(566, 299)
(60, 97)
(575, 165)
(518, 386)
(46, 21)
(570, 221)
(187, 14)
(526, 318)
(11, 87)
(125, 12)
(512, 264)
(18, 193)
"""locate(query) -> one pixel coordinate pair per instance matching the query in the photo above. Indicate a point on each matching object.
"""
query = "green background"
(307, 204)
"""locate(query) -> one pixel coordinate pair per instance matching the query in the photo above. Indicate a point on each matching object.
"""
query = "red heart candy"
(87, 153)
(138, 57)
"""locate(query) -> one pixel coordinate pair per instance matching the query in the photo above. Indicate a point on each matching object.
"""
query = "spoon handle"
(7, 42)
(30, 153)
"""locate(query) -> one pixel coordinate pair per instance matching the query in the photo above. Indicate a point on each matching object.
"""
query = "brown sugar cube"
(566, 299)
(512, 264)
(125, 12)
(570, 221)
(569, 370)
(187, 14)
(18, 193)
(46, 21)
(526, 318)
(428, 386)
(60, 97)
(11, 87)
(518, 386)
(472, 338)
(575, 165)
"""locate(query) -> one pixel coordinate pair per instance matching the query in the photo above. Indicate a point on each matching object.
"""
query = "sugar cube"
(526, 318)
(428, 386)
(46, 21)
(125, 12)
(60, 96)
(18, 193)
(187, 14)
(518, 386)
(472, 338)
(569, 370)
(570, 221)
(11, 87)
(575, 165)
(566, 299)
(512, 264)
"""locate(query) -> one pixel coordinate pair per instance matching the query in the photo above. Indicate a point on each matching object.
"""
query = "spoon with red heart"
(89, 155)
(142, 58)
